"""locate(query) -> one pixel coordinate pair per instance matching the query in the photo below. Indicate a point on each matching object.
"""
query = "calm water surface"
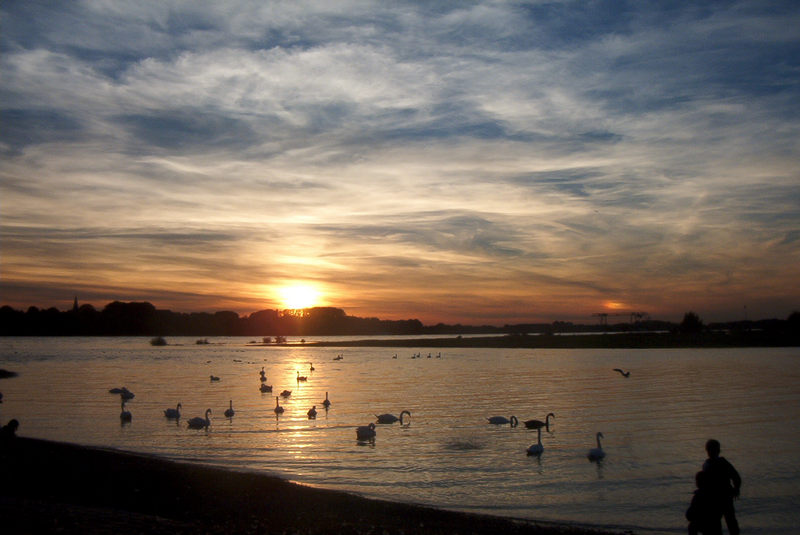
(655, 422)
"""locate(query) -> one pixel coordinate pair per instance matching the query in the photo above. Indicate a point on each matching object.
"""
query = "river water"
(654, 423)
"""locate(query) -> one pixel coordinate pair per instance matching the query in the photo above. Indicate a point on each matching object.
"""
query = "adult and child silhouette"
(718, 484)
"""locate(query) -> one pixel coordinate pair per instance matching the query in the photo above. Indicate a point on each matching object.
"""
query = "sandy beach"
(51, 487)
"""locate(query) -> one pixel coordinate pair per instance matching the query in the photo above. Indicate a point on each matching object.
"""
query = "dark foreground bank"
(50, 487)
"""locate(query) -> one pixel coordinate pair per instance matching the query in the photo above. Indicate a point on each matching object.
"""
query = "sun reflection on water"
(654, 422)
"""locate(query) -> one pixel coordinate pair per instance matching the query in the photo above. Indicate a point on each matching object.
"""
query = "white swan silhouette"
(213, 377)
(173, 413)
(286, 393)
(312, 413)
(538, 424)
(501, 420)
(327, 402)
(278, 409)
(125, 416)
(265, 388)
(229, 411)
(199, 423)
(301, 378)
(595, 454)
(391, 418)
(263, 375)
(537, 448)
(365, 432)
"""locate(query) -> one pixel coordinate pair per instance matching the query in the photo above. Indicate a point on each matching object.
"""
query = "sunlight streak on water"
(655, 422)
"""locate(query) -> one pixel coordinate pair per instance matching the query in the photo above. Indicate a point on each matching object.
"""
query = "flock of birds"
(595, 454)
(364, 432)
(204, 422)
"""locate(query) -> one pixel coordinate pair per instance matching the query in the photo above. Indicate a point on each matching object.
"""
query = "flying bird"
(622, 373)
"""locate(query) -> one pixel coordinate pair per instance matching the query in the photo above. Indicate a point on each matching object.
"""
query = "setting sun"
(298, 296)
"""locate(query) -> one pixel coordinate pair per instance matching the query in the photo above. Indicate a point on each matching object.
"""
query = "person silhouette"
(704, 512)
(724, 483)
(9, 431)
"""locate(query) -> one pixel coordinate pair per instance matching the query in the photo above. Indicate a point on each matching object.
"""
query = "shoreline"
(55, 487)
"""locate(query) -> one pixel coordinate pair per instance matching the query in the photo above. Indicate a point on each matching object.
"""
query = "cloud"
(524, 156)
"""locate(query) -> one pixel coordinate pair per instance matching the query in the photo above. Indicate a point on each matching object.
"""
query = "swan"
(199, 423)
(265, 388)
(595, 454)
(327, 402)
(263, 375)
(311, 366)
(538, 424)
(286, 393)
(365, 432)
(501, 420)
(301, 378)
(312, 413)
(537, 448)
(624, 374)
(278, 409)
(391, 418)
(229, 411)
(173, 413)
(125, 416)
(214, 377)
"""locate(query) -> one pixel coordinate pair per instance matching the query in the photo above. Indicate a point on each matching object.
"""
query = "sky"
(450, 161)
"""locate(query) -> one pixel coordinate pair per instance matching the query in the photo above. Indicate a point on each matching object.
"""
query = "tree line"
(144, 319)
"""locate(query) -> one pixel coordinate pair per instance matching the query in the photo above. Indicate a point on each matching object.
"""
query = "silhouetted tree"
(691, 323)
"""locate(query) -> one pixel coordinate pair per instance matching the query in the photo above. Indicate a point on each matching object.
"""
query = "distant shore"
(52, 487)
(579, 341)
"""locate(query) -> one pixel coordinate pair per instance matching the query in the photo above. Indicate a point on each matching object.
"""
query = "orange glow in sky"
(434, 170)
(297, 296)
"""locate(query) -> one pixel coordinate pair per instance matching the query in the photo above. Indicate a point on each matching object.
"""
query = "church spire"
(75, 304)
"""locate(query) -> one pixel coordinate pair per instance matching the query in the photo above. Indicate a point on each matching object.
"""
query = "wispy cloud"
(497, 161)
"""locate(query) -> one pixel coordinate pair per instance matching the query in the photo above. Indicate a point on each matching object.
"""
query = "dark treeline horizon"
(144, 319)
